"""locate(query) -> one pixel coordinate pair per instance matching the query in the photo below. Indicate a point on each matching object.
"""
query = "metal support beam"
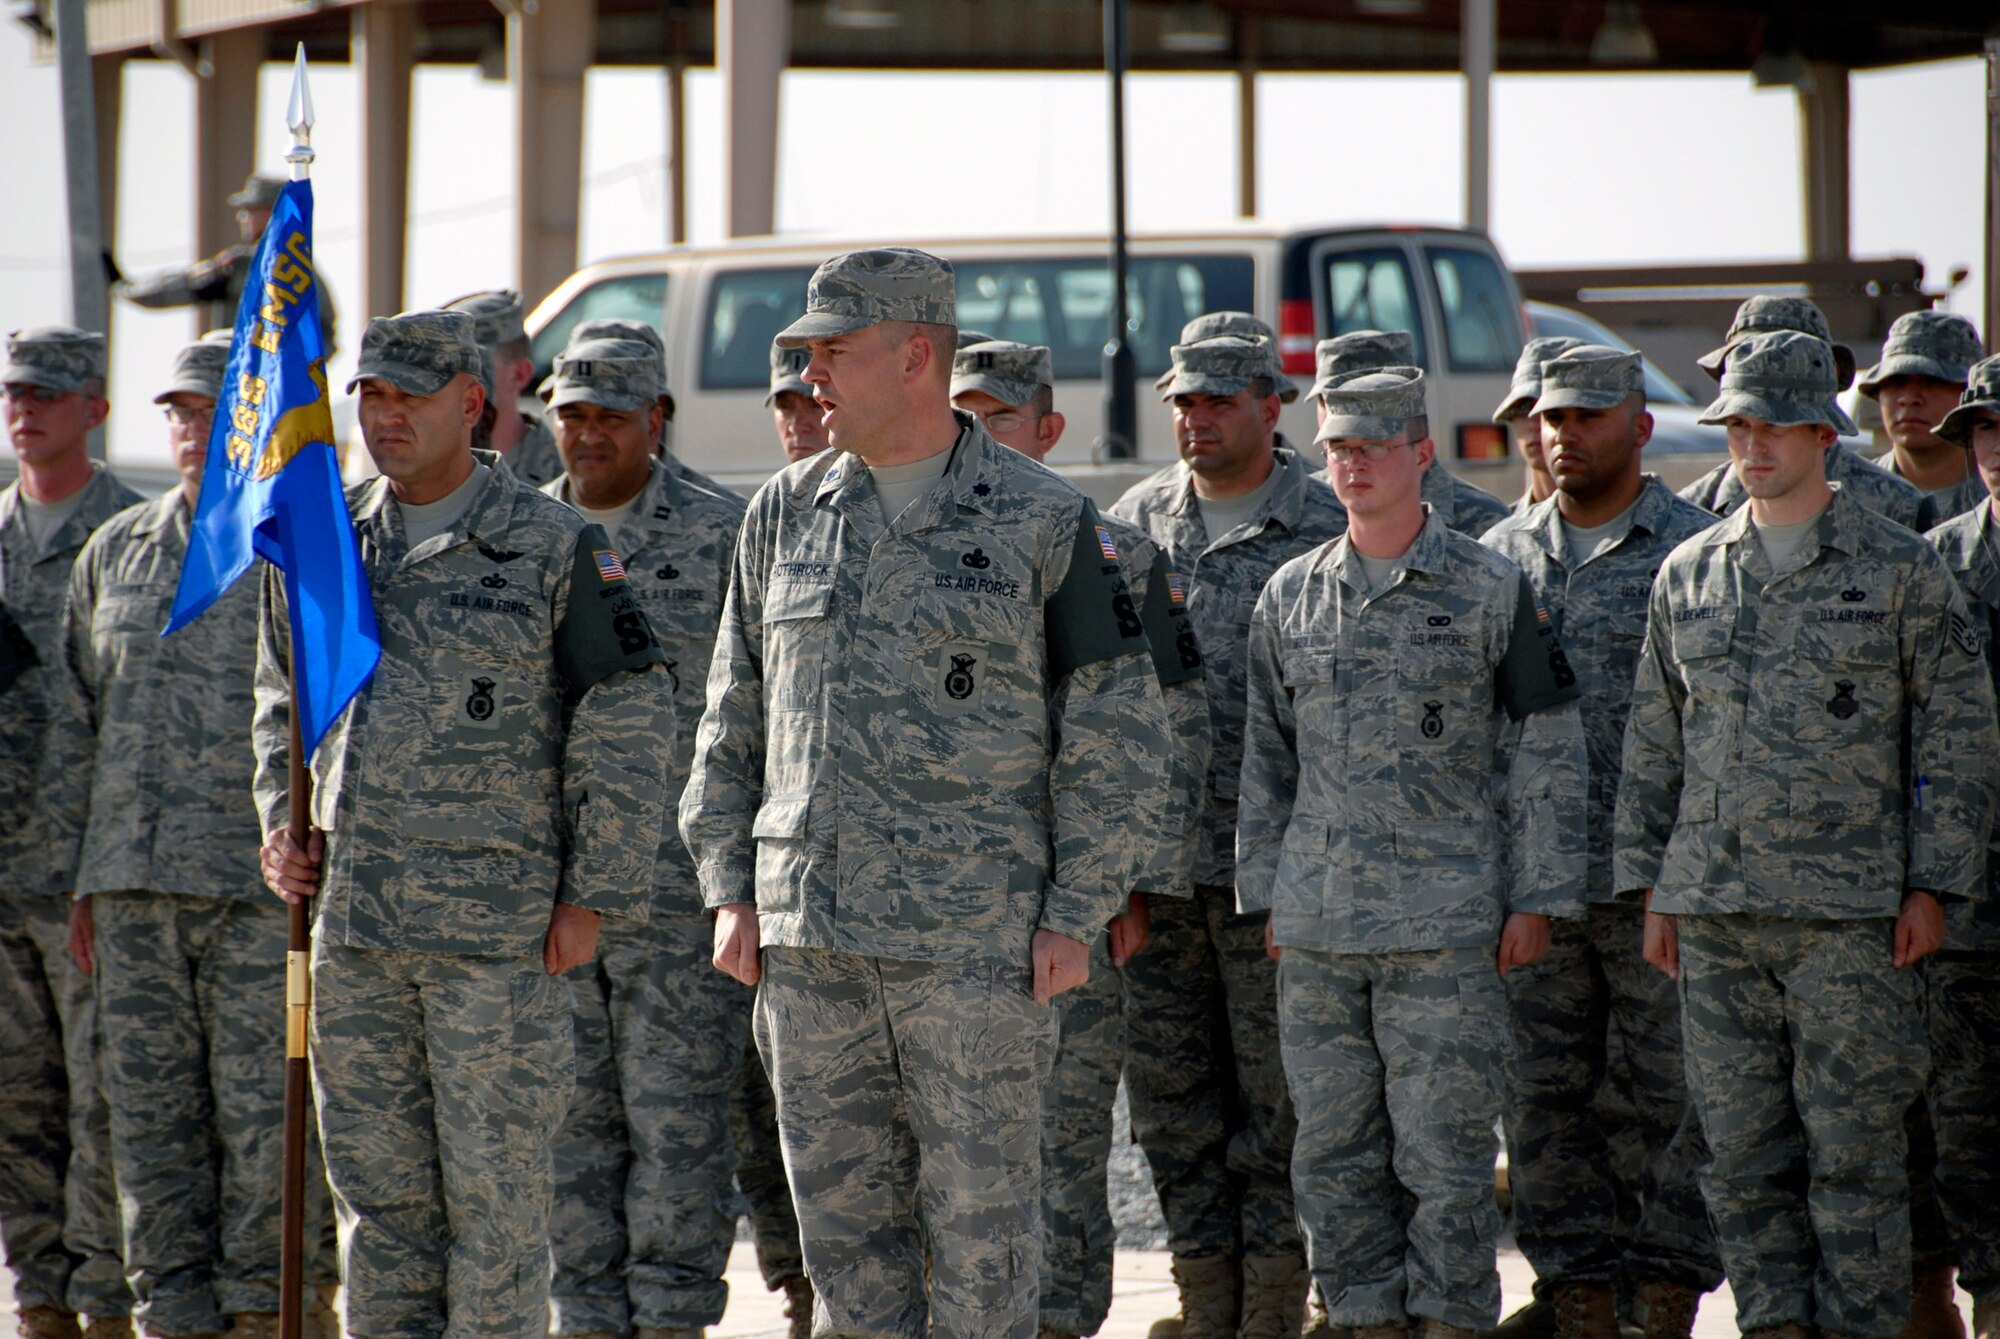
(1478, 43)
(1823, 160)
(1991, 276)
(548, 53)
(676, 194)
(107, 82)
(87, 300)
(225, 136)
(383, 45)
(1249, 51)
(752, 44)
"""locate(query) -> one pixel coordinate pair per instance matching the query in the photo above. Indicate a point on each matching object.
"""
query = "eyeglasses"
(183, 417)
(1007, 420)
(1369, 451)
(39, 394)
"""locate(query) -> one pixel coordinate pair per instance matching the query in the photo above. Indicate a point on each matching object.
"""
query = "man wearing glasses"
(1382, 788)
(170, 913)
(54, 1141)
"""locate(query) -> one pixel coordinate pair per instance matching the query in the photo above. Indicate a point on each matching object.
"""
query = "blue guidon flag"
(272, 489)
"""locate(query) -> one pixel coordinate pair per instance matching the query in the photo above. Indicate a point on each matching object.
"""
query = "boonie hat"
(1982, 392)
(1784, 378)
(1925, 344)
(1765, 314)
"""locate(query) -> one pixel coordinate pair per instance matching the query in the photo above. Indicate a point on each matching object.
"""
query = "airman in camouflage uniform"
(1962, 981)
(794, 412)
(1380, 796)
(1721, 492)
(644, 1161)
(1590, 553)
(1805, 778)
(1238, 325)
(58, 1214)
(930, 752)
(1516, 414)
(521, 438)
(1011, 387)
(606, 327)
(496, 787)
(216, 284)
(1925, 361)
(1465, 507)
(1207, 1087)
(186, 948)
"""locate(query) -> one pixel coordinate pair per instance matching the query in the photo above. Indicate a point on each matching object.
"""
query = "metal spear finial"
(299, 116)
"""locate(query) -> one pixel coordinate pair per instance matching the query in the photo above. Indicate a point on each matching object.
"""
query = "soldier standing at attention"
(1805, 780)
(170, 916)
(1516, 414)
(1590, 554)
(1925, 361)
(522, 439)
(1962, 980)
(1380, 797)
(933, 753)
(1722, 492)
(55, 1139)
(1011, 387)
(794, 412)
(1466, 508)
(496, 787)
(644, 1160)
(1214, 1120)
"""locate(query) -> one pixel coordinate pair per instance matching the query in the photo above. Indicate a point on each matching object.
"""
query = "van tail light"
(1295, 336)
(1482, 441)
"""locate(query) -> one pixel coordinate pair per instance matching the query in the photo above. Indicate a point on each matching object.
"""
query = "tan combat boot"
(1209, 1307)
(47, 1322)
(1536, 1320)
(1274, 1296)
(111, 1327)
(1319, 1325)
(1933, 1304)
(1586, 1311)
(1666, 1310)
(250, 1325)
(798, 1292)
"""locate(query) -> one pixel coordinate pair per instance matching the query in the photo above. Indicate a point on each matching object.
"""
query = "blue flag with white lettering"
(271, 488)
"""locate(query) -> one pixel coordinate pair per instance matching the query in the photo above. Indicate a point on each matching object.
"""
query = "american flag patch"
(1104, 543)
(1541, 612)
(1176, 588)
(608, 565)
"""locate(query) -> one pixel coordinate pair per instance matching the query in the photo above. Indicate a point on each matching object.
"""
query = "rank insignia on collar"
(981, 489)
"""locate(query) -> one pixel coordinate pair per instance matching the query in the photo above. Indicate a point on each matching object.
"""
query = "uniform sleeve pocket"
(1699, 639)
(1698, 802)
(781, 818)
(788, 600)
(1304, 665)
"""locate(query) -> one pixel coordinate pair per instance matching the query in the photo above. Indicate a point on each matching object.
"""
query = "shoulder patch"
(1176, 652)
(1534, 673)
(1092, 617)
(604, 629)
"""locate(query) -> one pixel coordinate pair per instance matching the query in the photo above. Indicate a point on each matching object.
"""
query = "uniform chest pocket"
(1702, 648)
(1444, 697)
(131, 608)
(796, 621)
(1848, 637)
(960, 639)
(1307, 666)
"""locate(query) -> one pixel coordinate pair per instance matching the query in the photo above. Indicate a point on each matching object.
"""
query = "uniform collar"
(1286, 505)
(1649, 513)
(1838, 528)
(1427, 552)
(490, 513)
(90, 512)
(160, 512)
(972, 479)
(658, 506)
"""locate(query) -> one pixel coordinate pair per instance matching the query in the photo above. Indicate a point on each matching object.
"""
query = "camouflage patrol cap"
(1373, 405)
(617, 374)
(863, 288)
(1526, 387)
(60, 357)
(198, 367)
(420, 352)
(496, 316)
(1590, 376)
(259, 192)
(1360, 351)
(788, 371)
(1763, 314)
(1011, 373)
(1221, 365)
(1982, 392)
(610, 327)
(1243, 325)
(1925, 344)
(1784, 378)
(966, 337)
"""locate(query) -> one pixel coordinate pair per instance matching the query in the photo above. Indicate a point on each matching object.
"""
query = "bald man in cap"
(58, 1213)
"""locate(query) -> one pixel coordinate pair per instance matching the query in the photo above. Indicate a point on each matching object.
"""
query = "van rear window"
(1061, 301)
(1369, 288)
(1482, 324)
(624, 297)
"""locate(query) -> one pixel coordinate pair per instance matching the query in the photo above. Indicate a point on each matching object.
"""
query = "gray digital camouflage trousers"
(1077, 1234)
(440, 1081)
(1207, 1087)
(1562, 1156)
(1804, 1048)
(191, 1007)
(645, 1159)
(58, 1214)
(909, 1103)
(1962, 1014)
(760, 1171)
(1394, 1062)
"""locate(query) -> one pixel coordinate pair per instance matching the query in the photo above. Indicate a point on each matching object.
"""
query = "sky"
(1585, 168)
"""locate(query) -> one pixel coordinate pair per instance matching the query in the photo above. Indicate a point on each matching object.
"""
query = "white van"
(719, 307)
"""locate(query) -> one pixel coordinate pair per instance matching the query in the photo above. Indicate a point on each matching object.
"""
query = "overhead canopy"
(1769, 36)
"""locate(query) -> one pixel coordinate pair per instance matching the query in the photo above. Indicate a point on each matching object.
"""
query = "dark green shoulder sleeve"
(603, 630)
(1176, 653)
(1534, 674)
(1092, 617)
(17, 653)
